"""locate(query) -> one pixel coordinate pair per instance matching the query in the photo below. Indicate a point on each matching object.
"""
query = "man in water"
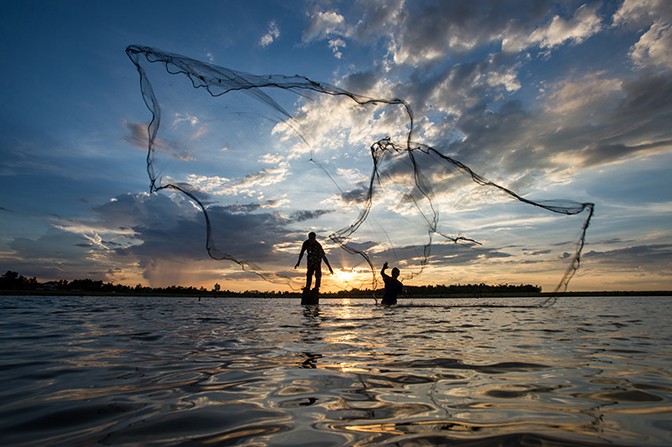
(315, 257)
(393, 286)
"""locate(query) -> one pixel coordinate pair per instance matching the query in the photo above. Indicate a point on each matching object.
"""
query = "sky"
(554, 100)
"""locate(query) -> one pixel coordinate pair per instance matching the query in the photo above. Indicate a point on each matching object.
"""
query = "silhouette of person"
(314, 260)
(393, 286)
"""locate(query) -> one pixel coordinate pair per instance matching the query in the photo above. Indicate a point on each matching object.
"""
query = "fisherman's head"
(395, 272)
(312, 235)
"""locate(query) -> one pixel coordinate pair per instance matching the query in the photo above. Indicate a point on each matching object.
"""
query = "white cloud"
(574, 96)
(95, 240)
(272, 158)
(210, 185)
(641, 12)
(336, 45)
(417, 34)
(557, 32)
(272, 34)
(654, 48)
(328, 25)
(180, 118)
(248, 185)
(323, 25)
(508, 79)
(584, 24)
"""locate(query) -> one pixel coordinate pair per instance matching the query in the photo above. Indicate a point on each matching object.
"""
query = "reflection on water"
(164, 371)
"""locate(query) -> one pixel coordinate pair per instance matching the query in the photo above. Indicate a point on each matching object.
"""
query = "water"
(179, 371)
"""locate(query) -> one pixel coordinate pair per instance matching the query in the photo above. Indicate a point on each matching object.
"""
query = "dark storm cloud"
(605, 153)
(445, 254)
(175, 233)
(249, 236)
(456, 254)
(51, 246)
(242, 208)
(130, 210)
(54, 255)
(657, 257)
(355, 196)
(301, 216)
(361, 81)
(420, 29)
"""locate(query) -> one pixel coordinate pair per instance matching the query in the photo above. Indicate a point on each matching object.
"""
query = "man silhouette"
(314, 258)
(393, 286)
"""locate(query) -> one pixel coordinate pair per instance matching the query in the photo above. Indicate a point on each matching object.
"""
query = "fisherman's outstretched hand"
(384, 266)
(297, 265)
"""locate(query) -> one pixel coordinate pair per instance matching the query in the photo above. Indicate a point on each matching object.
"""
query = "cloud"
(459, 66)
(558, 31)
(324, 24)
(248, 185)
(355, 196)
(170, 227)
(418, 33)
(572, 96)
(301, 216)
(636, 13)
(55, 255)
(653, 50)
(456, 254)
(584, 121)
(652, 258)
(271, 35)
(599, 154)
(147, 235)
(50, 248)
(336, 45)
(137, 135)
(328, 25)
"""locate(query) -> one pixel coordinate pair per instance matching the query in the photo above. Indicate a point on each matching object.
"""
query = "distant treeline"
(14, 282)
(472, 290)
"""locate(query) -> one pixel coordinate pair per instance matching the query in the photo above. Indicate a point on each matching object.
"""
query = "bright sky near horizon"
(552, 99)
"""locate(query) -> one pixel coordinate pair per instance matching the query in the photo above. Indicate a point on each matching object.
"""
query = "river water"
(132, 371)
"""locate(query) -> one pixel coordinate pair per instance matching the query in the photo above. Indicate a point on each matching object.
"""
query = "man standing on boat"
(315, 257)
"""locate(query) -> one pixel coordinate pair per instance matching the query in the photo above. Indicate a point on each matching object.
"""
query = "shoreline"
(651, 293)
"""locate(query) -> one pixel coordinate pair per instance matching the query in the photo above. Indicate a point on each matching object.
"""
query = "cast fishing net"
(265, 159)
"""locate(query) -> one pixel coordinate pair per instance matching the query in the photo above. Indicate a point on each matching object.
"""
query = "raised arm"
(382, 271)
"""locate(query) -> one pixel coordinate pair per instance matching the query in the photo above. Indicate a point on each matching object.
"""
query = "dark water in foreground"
(167, 371)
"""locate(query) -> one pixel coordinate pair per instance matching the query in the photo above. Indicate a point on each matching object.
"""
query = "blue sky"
(566, 100)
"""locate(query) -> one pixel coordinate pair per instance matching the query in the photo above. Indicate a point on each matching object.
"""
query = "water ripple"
(179, 372)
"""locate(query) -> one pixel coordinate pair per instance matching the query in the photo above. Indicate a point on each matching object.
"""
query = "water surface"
(183, 371)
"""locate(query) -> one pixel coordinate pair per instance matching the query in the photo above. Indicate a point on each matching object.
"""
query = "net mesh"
(299, 146)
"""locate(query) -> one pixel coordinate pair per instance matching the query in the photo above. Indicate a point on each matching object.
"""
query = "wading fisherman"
(393, 286)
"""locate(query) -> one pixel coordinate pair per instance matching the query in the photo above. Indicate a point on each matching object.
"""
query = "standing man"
(315, 257)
